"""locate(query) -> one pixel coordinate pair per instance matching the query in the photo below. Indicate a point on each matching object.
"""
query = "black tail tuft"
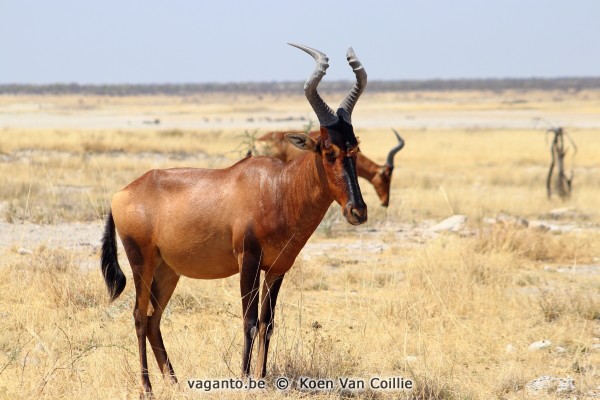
(113, 275)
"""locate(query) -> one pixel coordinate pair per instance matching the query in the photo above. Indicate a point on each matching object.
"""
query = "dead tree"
(562, 183)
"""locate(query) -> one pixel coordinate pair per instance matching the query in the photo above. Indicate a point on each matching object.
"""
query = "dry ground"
(389, 298)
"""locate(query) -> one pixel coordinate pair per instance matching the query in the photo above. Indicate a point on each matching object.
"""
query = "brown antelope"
(380, 176)
(255, 215)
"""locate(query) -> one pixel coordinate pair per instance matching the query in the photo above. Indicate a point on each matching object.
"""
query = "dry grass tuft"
(429, 386)
(57, 273)
(555, 303)
(510, 382)
(312, 354)
(536, 244)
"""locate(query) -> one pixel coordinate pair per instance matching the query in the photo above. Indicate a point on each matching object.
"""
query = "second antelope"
(380, 176)
(255, 215)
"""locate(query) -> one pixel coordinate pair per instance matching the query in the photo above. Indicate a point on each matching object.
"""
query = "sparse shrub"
(248, 143)
(555, 303)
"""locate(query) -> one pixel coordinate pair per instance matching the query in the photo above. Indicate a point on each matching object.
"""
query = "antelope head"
(337, 146)
(382, 180)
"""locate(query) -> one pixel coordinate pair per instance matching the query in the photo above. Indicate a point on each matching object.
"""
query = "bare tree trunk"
(562, 184)
(549, 179)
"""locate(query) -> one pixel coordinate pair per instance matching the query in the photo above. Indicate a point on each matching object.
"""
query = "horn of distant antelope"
(393, 151)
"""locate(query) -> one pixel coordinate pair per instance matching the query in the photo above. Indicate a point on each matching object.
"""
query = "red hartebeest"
(380, 176)
(255, 215)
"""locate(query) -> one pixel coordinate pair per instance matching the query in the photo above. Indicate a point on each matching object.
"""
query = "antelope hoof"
(172, 380)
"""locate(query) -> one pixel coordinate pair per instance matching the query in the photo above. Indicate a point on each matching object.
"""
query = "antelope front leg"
(267, 315)
(249, 280)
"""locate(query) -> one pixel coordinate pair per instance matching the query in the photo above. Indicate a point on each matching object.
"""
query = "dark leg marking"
(134, 253)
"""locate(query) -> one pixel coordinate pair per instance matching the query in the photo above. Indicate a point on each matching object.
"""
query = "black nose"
(356, 215)
(359, 214)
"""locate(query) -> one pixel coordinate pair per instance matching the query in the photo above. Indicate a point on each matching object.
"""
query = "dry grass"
(440, 311)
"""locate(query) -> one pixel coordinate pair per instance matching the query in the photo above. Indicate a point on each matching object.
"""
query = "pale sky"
(177, 41)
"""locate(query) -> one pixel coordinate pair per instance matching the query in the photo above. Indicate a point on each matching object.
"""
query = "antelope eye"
(330, 155)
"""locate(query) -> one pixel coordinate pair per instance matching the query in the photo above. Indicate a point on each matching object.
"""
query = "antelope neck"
(366, 168)
(306, 183)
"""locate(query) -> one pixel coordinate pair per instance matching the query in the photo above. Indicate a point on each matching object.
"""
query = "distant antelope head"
(382, 179)
(337, 145)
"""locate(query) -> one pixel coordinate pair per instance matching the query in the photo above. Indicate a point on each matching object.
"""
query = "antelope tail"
(113, 275)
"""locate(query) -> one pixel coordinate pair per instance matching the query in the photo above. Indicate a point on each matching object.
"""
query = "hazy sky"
(172, 41)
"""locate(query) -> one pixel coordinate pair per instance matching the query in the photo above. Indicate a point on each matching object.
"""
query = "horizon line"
(325, 83)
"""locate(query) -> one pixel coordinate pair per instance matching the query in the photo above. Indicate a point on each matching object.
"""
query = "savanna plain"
(455, 310)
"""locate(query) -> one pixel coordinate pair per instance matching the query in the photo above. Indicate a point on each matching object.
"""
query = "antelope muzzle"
(355, 213)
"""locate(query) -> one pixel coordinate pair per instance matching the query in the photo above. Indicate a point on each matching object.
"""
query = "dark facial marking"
(342, 135)
(351, 180)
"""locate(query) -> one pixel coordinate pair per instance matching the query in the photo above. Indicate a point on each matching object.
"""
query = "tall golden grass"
(388, 298)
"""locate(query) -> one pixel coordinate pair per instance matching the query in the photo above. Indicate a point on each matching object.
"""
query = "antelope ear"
(302, 141)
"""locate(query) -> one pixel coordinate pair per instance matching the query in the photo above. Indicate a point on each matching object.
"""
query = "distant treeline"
(188, 89)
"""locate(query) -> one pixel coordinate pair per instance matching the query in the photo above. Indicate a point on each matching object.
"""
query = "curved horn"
(360, 84)
(390, 158)
(324, 112)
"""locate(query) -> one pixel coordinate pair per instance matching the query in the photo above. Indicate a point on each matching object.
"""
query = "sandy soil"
(84, 238)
